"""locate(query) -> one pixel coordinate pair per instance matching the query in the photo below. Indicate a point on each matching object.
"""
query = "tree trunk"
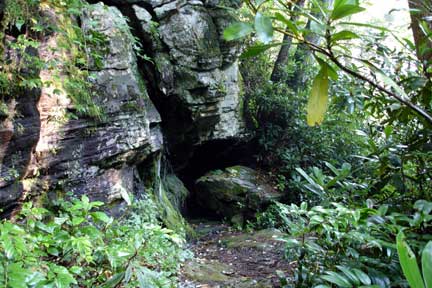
(303, 53)
(420, 10)
(302, 56)
(282, 58)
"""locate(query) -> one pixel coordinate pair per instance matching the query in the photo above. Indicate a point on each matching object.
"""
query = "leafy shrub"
(285, 142)
(75, 244)
(338, 245)
(409, 263)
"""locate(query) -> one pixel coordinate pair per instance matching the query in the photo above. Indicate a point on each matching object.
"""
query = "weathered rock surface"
(197, 73)
(176, 191)
(18, 138)
(85, 155)
(195, 86)
(19, 133)
(235, 192)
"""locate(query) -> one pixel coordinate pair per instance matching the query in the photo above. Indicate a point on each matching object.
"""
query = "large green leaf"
(264, 28)
(423, 206)
(344, 8)
(349, 274)
(63, 278)
(7, 246)
(144, 276)
(331, 71)
(237, 30)
(101, 216)
(363, 277)
(290, 25)
(337, 279)
(17, 275)
(427, 264)
(408, 262)
(114, 280)
(390, 82)
(345, 11)
(343, 35)
(257, 49)
(340, 3)
(306, 176)
(317, 104)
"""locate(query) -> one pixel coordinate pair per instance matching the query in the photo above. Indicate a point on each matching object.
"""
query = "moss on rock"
(236, 192)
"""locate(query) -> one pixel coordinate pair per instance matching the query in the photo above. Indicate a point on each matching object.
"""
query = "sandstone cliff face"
(197, 75)
(194, 84)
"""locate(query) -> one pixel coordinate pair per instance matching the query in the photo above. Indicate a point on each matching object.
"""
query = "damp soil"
(226, 257)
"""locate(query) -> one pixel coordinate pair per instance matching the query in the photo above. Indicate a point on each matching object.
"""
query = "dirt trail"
(228, 258)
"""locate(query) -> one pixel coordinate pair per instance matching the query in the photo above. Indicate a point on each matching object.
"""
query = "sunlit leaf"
(427, 264)
(344, 8)
(349, 274)
(363, 277)
(17, 275)
(290, 25)
(237, 30)
(331, 71)
(343, 35)
(337, 279)
(264, 28)
(19, 23)
(305, 175)
(318, 100)
(257, 49)
(423, 206)
(408, 262)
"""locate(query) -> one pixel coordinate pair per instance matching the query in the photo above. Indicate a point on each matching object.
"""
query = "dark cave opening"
(213, 155)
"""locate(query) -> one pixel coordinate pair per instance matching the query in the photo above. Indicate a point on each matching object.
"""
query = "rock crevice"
(187, 94)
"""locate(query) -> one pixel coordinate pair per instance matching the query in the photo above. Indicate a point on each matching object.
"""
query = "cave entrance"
(213, 155)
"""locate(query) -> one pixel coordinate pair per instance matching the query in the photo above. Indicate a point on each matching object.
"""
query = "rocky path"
(228, 258)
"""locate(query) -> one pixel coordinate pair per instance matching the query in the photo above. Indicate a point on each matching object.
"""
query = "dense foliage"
(361, 176)
(76, 243)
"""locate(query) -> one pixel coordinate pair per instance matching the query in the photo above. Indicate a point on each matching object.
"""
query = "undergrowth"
(75, 244)
(336, 245)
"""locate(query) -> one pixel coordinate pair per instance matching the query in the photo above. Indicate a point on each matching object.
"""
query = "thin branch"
(329, 53)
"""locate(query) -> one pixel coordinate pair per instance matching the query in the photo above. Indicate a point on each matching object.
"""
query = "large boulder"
(235, 192)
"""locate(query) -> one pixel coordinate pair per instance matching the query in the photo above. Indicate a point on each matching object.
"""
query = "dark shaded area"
(217, 154)
(18, 141)
(177, 123)
(213, 155)
(19, 149)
